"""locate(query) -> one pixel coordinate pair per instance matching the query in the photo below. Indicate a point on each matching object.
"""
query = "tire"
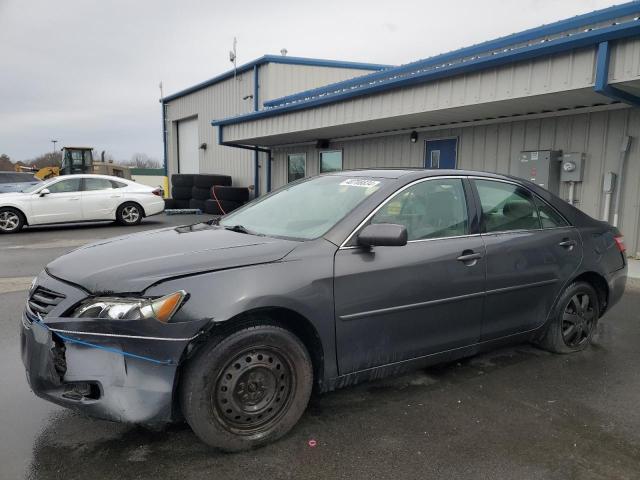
(195, 203)
(214, 208)
(182, 180)
(11, 220)
(234, 194)
(240, 411)
(207, 181)
(181, 193)
(129, 214)
(180, 204)
(572, 309)
(200, 193)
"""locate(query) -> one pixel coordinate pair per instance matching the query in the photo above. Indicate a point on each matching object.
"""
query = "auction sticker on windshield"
(360, 182)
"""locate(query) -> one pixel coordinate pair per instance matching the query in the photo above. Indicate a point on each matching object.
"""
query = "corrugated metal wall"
(225, 99)
(496, 148)
(528, 81)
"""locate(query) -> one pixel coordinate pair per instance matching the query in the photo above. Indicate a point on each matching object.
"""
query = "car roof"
(416, 173)
(92, 175)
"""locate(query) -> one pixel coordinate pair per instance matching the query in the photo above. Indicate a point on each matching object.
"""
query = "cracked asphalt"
(514, 413)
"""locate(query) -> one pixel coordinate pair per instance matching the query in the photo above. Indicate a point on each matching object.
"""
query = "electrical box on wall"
(572, 167)
(541, 167)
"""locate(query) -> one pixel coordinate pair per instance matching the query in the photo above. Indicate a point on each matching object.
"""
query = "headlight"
(161, 309)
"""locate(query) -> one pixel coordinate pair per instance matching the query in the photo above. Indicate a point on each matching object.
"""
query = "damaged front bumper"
(116, 370)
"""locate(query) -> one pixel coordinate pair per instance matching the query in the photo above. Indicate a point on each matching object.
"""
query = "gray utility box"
(572, 167)
(541, 167)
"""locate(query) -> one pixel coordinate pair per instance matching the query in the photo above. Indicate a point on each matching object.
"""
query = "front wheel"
(574, 320)
(248, 389)
(129, 214)
(11, 220)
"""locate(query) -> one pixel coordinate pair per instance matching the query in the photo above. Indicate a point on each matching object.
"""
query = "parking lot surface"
(514, 413)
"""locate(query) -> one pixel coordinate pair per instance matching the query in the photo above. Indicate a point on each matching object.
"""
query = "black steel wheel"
(253, 390)
(574, 319)
(247, 389)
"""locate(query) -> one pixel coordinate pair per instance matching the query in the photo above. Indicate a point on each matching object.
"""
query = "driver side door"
(399, 303)
(62, 204)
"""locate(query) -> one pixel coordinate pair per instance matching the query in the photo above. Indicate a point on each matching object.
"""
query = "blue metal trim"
(318, 62)
(602, 86)
(579, 40)
(597, 16)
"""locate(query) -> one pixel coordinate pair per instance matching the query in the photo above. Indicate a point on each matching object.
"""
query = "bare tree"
(142, 160)
(5, 163)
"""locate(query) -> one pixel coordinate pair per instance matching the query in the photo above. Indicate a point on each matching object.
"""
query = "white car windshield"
(32, 188)
(306, 209)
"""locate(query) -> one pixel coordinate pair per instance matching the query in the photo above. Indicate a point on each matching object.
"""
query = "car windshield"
(305, 209)
(32, 188)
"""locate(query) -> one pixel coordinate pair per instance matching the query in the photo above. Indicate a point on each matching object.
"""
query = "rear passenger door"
(99, 199)
(531, 252)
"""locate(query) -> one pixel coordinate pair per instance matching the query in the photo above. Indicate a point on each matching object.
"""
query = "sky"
(86, 72)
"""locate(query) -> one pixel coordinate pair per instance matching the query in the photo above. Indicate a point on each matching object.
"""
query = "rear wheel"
(129, 214)
(248, 389)
(11, 220)
(574, 321)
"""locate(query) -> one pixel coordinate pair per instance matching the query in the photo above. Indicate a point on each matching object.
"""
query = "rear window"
(15, 177)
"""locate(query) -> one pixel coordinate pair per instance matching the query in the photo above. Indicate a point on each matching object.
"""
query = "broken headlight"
(161, 309)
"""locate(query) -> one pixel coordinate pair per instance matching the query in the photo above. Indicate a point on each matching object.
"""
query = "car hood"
(11, 191)
(132, 263)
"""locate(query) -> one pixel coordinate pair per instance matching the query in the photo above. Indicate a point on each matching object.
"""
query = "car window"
(549, 217)
(97, 184)
(118, 184)
(69, 185)
(506, 207)
(431, 209)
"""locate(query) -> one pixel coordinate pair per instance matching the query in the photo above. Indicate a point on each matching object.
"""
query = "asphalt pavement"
(516, 413)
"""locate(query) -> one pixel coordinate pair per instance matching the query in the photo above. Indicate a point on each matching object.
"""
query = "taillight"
(158, 192)
(620, 243)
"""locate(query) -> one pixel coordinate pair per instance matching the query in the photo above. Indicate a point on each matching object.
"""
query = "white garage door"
(188, 146)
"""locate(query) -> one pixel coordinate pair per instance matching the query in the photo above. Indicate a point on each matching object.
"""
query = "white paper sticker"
(360, 182)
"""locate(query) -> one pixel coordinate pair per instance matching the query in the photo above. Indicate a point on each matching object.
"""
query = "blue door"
(441, 153)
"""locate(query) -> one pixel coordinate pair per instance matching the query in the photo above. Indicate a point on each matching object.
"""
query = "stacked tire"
(181, 186)
(225, 199)
(191, 190)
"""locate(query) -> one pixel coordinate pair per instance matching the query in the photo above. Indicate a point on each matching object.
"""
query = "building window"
(297, 166)
(331, 161)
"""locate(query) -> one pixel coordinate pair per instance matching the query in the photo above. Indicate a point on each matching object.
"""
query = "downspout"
(248, 147)
(164, 137)
(602, 87)
(256, 154)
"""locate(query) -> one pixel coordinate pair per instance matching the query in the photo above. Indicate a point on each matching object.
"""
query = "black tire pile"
(212, 194)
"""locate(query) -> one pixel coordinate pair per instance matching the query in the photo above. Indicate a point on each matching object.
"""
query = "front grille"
(43, 300)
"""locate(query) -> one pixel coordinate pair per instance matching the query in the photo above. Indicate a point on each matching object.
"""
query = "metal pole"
(626, 141)
(571, 192)
(54, 145)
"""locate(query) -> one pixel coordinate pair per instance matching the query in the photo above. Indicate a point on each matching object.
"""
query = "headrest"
(516, 208)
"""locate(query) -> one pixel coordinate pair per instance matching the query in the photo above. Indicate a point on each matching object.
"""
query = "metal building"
(190, 143)
(556, 104)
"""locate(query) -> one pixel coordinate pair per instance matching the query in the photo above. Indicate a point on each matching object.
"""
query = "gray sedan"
(326, 282)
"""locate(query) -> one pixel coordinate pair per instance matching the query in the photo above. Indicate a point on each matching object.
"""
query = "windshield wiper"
(237, 228)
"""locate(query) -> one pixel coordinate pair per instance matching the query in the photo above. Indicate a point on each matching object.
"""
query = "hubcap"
(577, 320)
(130, 214)
(9, 221)
(253, 390)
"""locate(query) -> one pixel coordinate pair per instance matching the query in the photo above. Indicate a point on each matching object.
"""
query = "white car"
(79, 198)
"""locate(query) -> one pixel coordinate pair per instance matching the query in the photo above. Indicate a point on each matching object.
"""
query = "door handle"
(568, 243)
(116, 196)
(74, 198)
(469, 258)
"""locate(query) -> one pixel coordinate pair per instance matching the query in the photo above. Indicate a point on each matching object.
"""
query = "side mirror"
(383, 235)
(44, 191)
